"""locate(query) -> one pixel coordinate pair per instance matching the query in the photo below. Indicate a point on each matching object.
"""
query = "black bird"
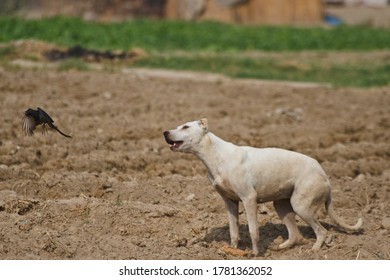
(33, 118)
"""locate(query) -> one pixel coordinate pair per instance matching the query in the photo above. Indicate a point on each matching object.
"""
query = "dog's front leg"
(250, 205)
(232, 211)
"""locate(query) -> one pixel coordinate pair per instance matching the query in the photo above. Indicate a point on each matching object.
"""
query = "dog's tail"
(338, 221)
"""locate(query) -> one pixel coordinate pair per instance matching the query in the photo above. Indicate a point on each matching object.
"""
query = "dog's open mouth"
(174, 144)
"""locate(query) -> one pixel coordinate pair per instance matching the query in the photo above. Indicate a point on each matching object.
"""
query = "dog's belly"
(277, 191)
(265, 192)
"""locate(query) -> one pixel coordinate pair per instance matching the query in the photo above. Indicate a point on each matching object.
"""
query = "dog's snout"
(166, 136)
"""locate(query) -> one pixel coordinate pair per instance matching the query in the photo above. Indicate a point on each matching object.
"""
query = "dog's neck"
(212, 151)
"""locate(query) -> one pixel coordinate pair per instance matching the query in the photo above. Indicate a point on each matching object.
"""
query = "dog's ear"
(203, 123)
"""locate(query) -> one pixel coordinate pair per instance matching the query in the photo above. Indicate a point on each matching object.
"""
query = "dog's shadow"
(268, 234)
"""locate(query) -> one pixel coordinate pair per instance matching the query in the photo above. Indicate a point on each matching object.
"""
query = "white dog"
(295, 182)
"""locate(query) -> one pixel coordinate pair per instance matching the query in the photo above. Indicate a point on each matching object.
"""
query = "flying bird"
(33, 118)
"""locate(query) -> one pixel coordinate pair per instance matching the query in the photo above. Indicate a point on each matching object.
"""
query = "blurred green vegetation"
(349, 74)
(178, 35)
(167, 41)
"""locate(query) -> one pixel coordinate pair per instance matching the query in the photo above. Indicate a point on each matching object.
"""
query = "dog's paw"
(287, 244)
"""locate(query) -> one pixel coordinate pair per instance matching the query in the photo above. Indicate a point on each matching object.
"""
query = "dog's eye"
(185, 127)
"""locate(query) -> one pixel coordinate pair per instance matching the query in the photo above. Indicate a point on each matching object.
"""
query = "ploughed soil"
(116, 191)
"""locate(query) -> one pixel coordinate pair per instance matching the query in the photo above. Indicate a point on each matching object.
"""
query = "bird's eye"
(185, 127)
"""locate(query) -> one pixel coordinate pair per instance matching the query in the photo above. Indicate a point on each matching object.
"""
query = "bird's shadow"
(268, 234)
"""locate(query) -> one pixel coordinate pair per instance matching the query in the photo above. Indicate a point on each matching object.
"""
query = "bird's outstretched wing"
(29, 124)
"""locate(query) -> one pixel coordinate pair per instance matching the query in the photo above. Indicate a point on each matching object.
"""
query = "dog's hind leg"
(232, 211)
(286, 213)
(306, 207)
(319, 230)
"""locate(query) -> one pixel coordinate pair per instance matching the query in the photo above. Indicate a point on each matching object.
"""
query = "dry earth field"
(116, 191)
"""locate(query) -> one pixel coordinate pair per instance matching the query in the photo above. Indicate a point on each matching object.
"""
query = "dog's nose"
(166, 133)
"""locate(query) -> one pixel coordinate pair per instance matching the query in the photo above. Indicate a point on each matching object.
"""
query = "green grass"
(357, 75)
(226, 43)
(190, 36)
